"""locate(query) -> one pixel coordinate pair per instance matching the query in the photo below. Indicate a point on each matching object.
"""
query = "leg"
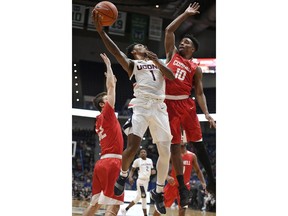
(177, 159)
(91, 210)
(132, 203)
(178, 166)
(162, 172)
(145, 212)
(156, 213)
(112, 210)
(181, 211)
(137, 198)
(162, 165)
(129, 153)
(127, 158)
(144, 201)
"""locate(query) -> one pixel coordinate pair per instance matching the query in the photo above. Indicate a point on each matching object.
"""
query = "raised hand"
(97, 20)
(193, 9)
(105, 59)
(111, 79)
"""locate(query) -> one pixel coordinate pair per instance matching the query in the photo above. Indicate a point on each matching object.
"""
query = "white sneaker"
(123, 212)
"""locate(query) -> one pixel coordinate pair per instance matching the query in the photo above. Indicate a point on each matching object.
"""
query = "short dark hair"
(194, 40)
(142, 148)
(99, 99)
(129, 49)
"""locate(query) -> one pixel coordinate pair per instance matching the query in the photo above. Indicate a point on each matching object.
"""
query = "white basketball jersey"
(145, 167)
(149, 79)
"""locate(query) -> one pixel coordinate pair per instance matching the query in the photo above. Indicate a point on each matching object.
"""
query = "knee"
(112, 209)
(132, 147)
(133, 143)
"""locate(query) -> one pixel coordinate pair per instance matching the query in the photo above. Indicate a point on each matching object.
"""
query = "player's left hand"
(96, 18)
(193, 9)
(170, 180)
(152, 56)
(211, 120)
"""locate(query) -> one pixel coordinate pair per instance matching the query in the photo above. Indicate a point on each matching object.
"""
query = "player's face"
(143, 154)
(105, 99)
(186, 46)
(140, 48)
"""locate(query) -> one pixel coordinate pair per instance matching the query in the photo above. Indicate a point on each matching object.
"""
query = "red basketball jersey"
(184, 71)
(187, 168)
(109, 131)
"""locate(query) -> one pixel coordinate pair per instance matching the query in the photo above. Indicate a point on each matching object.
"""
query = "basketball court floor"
(136, 210)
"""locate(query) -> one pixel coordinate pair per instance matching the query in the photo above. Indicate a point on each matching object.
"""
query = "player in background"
(171, 191)
(146, 169)
(181, 108)
(110, 135)
(149, 109)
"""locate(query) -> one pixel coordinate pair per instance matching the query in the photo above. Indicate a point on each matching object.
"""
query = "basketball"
(108, 11)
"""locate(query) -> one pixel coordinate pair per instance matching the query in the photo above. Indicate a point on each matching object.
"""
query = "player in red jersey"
(106, 169)
(171, 191)
(181, 108)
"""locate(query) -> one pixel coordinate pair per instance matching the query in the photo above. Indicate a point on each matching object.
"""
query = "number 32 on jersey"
(101, 133)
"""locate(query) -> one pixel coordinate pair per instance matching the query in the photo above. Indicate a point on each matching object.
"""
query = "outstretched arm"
(169, 42)
(200, 96)
(123, 60)
(110, 81)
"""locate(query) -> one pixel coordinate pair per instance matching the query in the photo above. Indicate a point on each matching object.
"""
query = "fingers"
(97, 17)
(151, 55)
(195, 6)
(104, 57)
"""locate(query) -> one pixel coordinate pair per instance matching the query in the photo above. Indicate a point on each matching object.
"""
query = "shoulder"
(191, 154)
(198, 69)
(136, 162)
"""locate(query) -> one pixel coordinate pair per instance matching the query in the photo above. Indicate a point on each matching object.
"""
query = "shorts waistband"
(147, 179)
(111, 156)
(176, 97)
(150, 98)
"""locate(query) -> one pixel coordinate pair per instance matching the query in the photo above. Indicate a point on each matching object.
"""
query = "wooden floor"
(136, 210)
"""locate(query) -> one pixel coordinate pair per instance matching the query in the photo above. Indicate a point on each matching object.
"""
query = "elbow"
(168, 30)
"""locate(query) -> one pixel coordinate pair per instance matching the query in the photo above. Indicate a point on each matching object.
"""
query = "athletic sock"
(159, 188)
(124, 173)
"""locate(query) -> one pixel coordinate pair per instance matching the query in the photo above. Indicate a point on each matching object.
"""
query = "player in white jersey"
(146, 169)
(149, 109)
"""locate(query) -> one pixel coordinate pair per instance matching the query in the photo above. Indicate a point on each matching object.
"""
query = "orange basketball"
(108, 12)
